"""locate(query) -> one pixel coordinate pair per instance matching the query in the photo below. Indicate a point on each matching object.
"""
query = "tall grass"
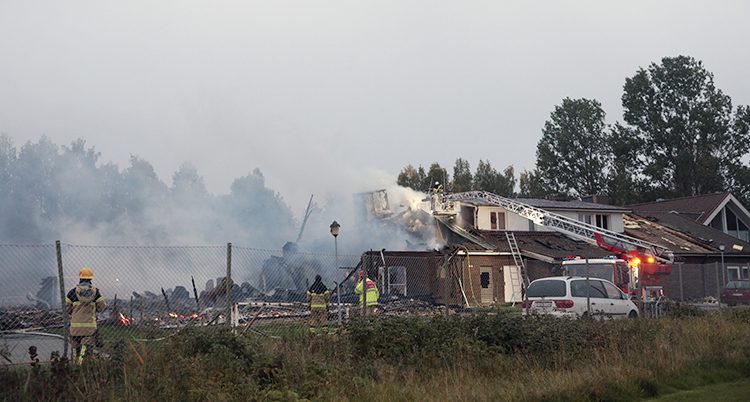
(485, 357)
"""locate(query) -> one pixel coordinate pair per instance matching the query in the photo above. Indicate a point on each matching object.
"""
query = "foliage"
(488, 356)
(53, 192)
(462, 177)
(436, 174)
(690, 139)
(488, 179)
(573, 154)
(412, 178)
(530, 185)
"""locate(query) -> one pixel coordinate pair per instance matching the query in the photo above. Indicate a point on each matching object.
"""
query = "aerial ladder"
(606, 239)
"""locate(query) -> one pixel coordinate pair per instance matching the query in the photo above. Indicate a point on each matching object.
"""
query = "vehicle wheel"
(633, 314)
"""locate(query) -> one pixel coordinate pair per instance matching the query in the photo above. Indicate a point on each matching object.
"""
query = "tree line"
(679, 136)
(63, 192)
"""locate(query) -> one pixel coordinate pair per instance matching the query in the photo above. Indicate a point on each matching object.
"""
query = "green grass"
(489, 356)
(737, 391)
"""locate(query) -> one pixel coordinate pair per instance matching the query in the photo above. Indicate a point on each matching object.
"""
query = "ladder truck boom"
(569, 226)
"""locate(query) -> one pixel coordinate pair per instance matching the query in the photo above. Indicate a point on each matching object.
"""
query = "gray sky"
(326, 96)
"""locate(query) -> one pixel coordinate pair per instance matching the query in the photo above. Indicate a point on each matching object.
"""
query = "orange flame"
(125, 321)
(173, 315)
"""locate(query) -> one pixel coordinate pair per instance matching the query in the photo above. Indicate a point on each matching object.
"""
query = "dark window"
(493, 221)
(484, 278)
(602, 221)
(731, 220)
(546, 288)
(596, 289)
(612, 291)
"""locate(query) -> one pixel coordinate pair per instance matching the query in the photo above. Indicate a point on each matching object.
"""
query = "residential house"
(721, 211)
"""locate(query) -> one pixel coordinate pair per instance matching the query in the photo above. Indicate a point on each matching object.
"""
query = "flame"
(124, 320)
(173, 315)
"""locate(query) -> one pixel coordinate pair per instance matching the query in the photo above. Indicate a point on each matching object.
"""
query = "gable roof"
(702, 237)
(701, 208)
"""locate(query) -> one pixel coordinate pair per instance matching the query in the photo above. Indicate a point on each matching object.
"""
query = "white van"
(566, 296)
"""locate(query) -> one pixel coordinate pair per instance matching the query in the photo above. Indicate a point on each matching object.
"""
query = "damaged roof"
(687, 235)
(697, 208)
(545, 245)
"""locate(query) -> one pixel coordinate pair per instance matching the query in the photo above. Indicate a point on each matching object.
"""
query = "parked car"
(736, 292)
(566, 296)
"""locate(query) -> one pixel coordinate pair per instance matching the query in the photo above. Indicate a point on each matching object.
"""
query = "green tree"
(573, 153)
(436, 174)
(412, 178)
(530, 186)
(692, 140)
(625, 176)
(489, 179)
(462, 178)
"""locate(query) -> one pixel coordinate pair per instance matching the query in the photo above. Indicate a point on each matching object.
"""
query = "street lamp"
(335, 232)
(723, 270)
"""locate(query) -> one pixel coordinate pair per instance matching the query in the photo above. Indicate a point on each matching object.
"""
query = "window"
(396, 280)
(546, 288)
(598, 220)
(484, 279)
(602, 221)
(497, 220)
(612, 291)
(595, 289)
(734, 273)
(735, 226)
(585, 218)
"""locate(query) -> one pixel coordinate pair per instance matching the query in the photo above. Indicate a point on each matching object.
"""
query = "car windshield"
(546, 288)
(601, 271)
(738, 285)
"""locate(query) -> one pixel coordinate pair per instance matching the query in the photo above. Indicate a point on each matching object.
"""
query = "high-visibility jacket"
(372, 292)
(82, 302)
(318, 300)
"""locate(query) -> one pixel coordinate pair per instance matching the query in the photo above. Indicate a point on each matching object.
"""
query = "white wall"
(515, 222)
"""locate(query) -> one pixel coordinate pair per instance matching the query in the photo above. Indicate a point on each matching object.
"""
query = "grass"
(466, 358)
(737, 391)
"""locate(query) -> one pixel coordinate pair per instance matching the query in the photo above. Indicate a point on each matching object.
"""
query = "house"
(720, 211)
(479, 265)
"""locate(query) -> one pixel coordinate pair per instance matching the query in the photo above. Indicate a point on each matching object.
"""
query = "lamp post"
(335, 232)
(723, 270)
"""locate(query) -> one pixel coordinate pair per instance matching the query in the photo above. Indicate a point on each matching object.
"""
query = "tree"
(573, 153)
(436, 174)
(530, 186)
(487, 178)
(692, 140)
(462, 178)
(411, 177)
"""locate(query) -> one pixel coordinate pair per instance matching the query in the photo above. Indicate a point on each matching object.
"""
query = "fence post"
(228, 312)
(338, 301)
(718, 285)
(364, 283)
(63, 306)
(682, 288)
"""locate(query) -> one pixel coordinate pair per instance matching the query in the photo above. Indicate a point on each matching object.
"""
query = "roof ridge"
(724, 193)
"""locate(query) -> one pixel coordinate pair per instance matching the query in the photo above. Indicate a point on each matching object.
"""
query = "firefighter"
(83, 302)
(318, 294)
(372, 293)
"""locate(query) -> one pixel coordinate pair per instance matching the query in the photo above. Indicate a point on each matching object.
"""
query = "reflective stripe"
(83, 324)
(318, 305)
(76, 303)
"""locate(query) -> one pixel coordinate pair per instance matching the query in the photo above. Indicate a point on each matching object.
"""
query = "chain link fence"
(153, 292)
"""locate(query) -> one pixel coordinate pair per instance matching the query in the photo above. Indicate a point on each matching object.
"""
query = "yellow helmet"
(86, 273)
